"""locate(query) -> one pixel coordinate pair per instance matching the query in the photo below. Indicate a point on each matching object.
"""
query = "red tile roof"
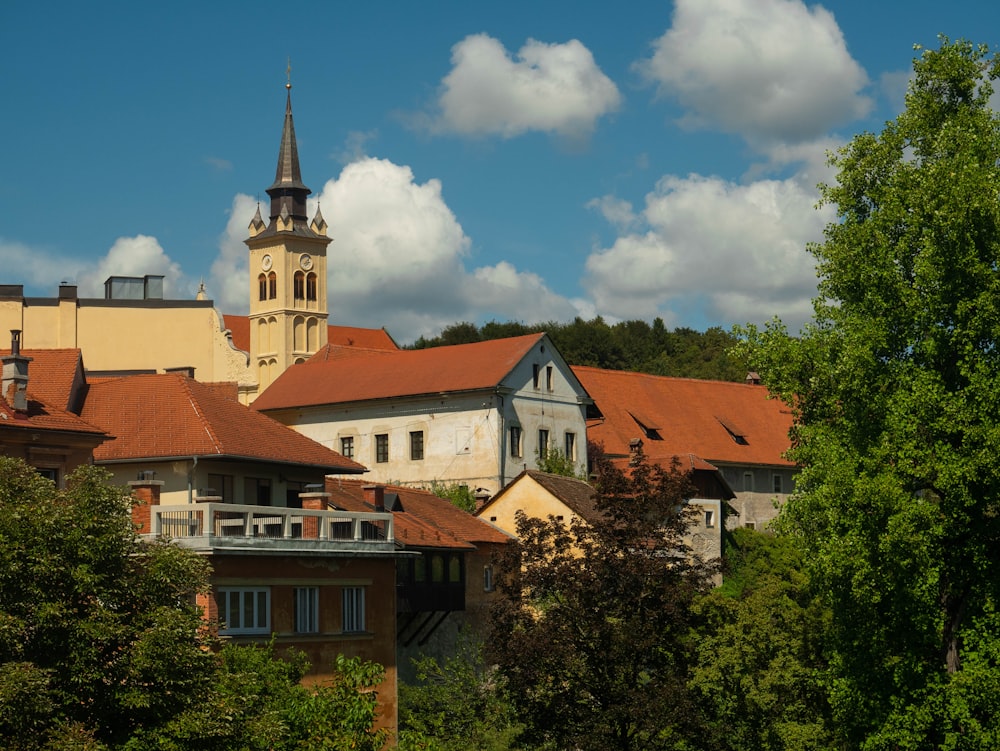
(426, 519)
(168, 415)
(332, 377)
(344, 336)
(52, 374)
(42, 416)
(718, 421)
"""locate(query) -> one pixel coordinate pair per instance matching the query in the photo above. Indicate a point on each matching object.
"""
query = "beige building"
(133, 330)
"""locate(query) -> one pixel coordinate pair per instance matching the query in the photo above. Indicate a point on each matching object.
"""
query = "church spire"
(288, 193)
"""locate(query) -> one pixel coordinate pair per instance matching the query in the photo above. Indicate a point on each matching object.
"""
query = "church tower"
(288, 313)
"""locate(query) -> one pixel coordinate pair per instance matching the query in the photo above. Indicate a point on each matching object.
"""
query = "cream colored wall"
(132, 337)
(528, 496)
(756, 504)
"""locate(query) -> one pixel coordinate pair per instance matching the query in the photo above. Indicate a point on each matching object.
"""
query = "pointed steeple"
(288, 193)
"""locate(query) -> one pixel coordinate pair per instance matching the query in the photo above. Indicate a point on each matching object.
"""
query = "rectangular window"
(353, 600)
(245, 610)
(709, 519)
(221, 485)
(257, 491)
(748, 482)
(417, 445)
(777, 484)
(571, 446)
(347, 446)
(299, 286)
(488, 579)
(382, 448)
(534, 375)
(306, 610)
(751, 525)
(548, 377)
(515, 441)
(543, 442)
(311, 287)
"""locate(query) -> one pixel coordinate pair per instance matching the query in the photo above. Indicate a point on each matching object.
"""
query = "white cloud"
(769, 70)
(553, 88)
(229, 278)
(37, 268)
(133, 256)
(731, 252)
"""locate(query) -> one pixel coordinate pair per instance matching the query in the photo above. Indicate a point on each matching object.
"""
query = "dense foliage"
(898, 417)
(629, 345)
(102, 646)
(591, 632)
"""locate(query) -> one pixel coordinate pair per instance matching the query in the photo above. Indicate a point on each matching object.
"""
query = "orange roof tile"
(344, 336)
(719, 421)
(167, 415)
(52, 374)
(426, 519)
(42, 416)
(331, 378)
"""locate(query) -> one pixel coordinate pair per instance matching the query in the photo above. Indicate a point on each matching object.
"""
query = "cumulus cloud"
(730, 252)
(768, 70)
(553, 88)
(133, 256)
(36, 268)
(397, 260)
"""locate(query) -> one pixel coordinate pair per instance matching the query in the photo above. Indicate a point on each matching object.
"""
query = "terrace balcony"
(227, 527)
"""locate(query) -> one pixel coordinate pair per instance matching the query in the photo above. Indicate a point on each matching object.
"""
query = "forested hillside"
(628, 345)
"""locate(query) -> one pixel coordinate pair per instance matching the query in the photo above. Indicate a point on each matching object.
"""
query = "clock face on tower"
(306, 261)
(265, 263)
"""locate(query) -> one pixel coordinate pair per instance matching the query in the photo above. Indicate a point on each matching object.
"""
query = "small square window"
(382, 448)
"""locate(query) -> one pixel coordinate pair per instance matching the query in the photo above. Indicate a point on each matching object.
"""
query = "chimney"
(375, 495)
(15, 374)
(146, 492)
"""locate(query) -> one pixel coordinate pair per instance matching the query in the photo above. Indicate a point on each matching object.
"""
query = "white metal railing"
(268, 522)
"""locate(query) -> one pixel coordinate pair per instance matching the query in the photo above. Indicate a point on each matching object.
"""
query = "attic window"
(649, 429)
(734, 432)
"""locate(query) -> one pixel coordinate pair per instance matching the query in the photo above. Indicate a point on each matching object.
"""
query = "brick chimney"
(375, 495)
(147, 494)
(313, 501)
(15, 374)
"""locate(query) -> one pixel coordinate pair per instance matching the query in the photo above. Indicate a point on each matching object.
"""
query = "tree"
(897, 416)
(760, 663)
(590, 631)
(102, 646)
(555, 462)
(456, 705)
(460, 495)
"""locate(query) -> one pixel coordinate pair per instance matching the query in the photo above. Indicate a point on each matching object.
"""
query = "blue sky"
(524, 161)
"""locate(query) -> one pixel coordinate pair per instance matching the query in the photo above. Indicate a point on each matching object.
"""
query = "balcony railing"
(230, 525)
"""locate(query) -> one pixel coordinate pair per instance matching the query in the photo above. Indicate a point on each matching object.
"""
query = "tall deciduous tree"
(591, 631)
(895, 387)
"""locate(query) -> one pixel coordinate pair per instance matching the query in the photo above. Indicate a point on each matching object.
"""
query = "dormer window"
(734, 432)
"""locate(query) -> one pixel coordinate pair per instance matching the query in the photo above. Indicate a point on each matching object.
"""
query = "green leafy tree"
(103, 648)
(760, 663)
(897, 426)
(556, 462)
(591, 628)
(456, 705)
(460, 495)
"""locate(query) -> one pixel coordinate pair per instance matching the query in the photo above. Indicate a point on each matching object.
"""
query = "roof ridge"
(595, 369)
(199, 410)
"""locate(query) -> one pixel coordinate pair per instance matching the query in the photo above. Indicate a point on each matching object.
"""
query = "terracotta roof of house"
(52, 374)
(168, 415)
(330, 379)
(718, 421)
(578, 495)
(343, 336)
(425, 520)
(43, 416)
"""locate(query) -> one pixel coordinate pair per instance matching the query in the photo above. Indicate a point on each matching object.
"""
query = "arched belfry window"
(272, 285)
(262, 284)
(311, 286)
(300, 286)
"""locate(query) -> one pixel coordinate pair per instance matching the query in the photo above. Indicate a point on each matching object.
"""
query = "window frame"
(416, 445)
(516, 436)
(777, 483)
(347, 446)
(569, 444)
(305, 610)
(544, 436)
(226, 608)
(352, 610)
(381, 448)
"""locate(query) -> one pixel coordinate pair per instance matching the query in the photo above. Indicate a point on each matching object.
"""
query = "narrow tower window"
(300, 280)
(311, 287)
(272, 286)
(262, 285)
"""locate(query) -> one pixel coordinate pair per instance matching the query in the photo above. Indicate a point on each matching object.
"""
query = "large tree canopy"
(896, 387)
